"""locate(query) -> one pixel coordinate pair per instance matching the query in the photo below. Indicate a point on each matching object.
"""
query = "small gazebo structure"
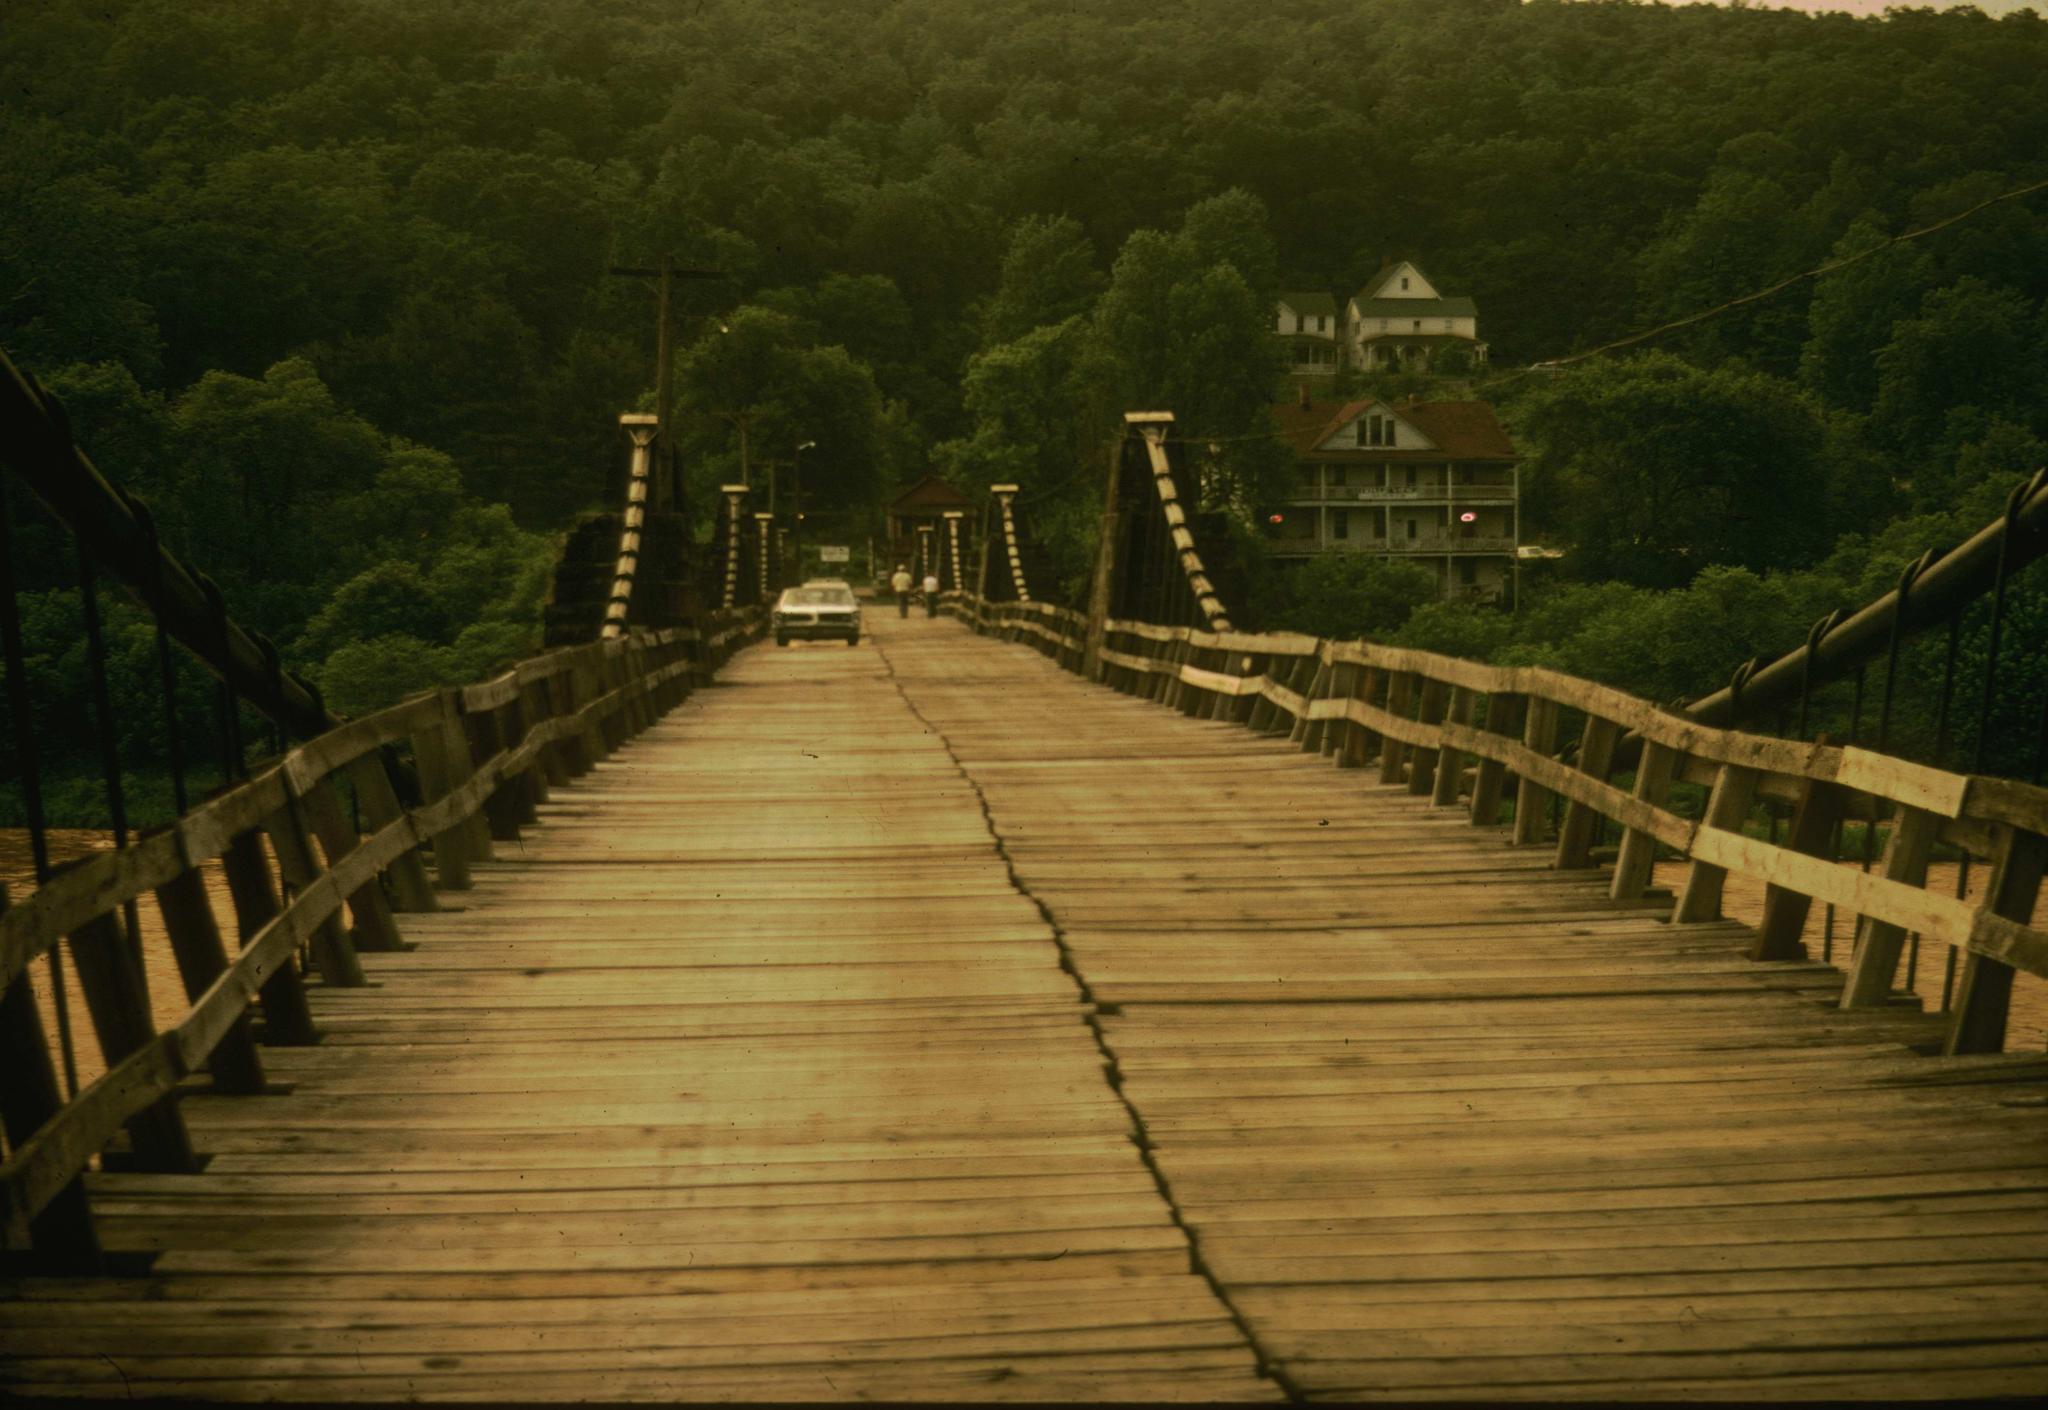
(916, 525)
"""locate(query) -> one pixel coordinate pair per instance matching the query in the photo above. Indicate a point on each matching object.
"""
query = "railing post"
(1341, 736)
(333, 953)
(62, 1234)
(461, 768)
(501, 805)
(1393, 753)
(1785, 910)
(587, 669)
(538, 707)
(116, 996)
(202, 957)
(374, 928)
(1596, 761)
(1875, 959)
(1984, 985)
(1450, 763)
(1360, 740)
(563, 702)
(434, 757)
(1638, 855)
(1262, 709)
(378, 801)
(1727, 809)
(287, 1018)
(1308, 731)
(1422, 758)
(1504, 712)
(1539, 734)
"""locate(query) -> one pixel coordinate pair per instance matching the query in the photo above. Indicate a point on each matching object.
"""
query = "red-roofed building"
(1434, 482)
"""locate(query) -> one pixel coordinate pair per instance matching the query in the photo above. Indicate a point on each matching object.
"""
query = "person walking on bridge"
(931, 594)
(899, 582)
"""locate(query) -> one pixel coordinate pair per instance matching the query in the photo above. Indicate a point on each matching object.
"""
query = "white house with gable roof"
(1399, 316)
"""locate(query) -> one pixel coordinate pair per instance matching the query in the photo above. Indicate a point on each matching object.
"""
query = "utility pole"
(796, 495)
(667, 480)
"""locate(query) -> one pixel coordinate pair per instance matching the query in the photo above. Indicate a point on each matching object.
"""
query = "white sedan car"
(813, 612)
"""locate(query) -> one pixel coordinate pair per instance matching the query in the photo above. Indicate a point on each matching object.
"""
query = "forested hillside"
(344, 261)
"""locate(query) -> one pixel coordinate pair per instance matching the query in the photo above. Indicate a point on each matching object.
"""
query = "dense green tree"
(1853, 311)
(1346, 596)
(1970, 345)
(1049, 275)
(1658, 469)
(757, 389)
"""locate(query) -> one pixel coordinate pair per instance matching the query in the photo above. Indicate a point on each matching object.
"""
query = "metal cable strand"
(103, 719)
(167, 676)
(22, 712)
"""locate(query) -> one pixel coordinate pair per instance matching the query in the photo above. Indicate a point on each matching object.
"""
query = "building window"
(1404, 283)
(1383, 324)
(1336, 477)
(1409, 481)
(1468, 571)
(1411, 522)
(1340, 523)
(1418, 325)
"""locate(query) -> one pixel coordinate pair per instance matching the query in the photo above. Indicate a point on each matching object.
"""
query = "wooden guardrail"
(482, 757)
(1490, 735)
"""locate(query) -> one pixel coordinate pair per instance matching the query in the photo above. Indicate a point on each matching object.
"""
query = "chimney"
(1301, 394)
(1413, 398)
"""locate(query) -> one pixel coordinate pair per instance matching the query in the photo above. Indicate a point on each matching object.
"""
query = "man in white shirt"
(899, 583)
(931, 594)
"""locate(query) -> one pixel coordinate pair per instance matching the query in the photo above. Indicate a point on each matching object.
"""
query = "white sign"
(834, 553)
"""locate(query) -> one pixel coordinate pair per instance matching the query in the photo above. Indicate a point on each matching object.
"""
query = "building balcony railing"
(1433, 544)
(1352, 494)
(1454, 543)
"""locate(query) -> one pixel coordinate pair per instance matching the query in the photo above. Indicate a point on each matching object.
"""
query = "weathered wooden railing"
(1490, 735)
(484, 756)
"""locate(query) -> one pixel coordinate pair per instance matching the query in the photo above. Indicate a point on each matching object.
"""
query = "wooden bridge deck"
(919, 1021)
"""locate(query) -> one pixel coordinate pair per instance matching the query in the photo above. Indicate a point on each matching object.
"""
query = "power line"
(1771, 290)
(1554, 364)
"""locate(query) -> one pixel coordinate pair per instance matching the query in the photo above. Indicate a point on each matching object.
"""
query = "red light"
(1467, 517)
(1276, 518)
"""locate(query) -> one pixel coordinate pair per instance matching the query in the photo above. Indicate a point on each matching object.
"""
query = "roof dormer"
(1399, 279)
(1372, 425)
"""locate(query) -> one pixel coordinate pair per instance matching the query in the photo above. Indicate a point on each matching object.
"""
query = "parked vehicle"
(815, 612)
